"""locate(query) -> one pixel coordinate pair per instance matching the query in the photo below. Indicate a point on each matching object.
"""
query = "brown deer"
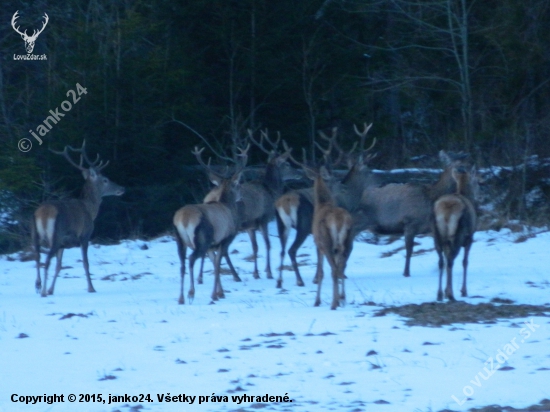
(258, 198)
(67, 223)
(405, 208)
(332, 232)
(295, 208)
(209, 226)
(454, 220)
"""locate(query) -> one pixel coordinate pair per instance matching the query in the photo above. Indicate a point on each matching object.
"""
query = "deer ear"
(216, 180)
(444, 157)
(236, 179)
(310, 173)
(89, 174)
(282, 158)
(324, 173)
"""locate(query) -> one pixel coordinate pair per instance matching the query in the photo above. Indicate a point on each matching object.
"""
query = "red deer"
(405, 208)
(67, 223)
(454, 220)
(258, 199)
(209, 226)
(332, 233)
(295, 208)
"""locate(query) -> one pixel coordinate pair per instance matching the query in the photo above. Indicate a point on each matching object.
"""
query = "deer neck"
(273, 181)
(464, 187)
(91, 197)
(445, 185)
(321, 193)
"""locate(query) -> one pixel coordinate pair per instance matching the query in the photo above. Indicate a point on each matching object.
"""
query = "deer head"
(29, 40)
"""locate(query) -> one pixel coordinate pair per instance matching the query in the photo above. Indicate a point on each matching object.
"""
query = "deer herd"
(335, 209)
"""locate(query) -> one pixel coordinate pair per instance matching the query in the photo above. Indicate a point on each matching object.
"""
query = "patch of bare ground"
(438, 314)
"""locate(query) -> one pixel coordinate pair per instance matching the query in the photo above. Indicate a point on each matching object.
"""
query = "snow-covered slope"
(131, 337)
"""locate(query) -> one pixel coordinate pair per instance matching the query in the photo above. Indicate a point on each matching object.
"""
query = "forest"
(148, 80)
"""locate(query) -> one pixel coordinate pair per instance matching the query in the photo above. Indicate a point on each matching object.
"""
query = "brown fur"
(68, 223)
(454, 221)
(206, 227)
(404, 208)
(332, 233)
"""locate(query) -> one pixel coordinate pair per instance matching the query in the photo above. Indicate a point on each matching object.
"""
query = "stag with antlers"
(295, 208)
(68, 223)
(332, 231)
(210, 226)
(258, 198)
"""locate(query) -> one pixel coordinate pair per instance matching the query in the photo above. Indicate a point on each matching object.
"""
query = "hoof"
(279, 284)
(237, 279)
(181, 301)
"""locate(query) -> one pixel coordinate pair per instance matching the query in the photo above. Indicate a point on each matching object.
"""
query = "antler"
(83, 156)
(260, 144)
(333, 144)
(362, 135)
(243, 154)
(244, 158)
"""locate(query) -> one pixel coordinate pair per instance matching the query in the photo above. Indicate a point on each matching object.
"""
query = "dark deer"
(405, 208)
(68, 223)
(209, 226)
(295, 208)
(454, 220)
(258, 199)
(332, 229)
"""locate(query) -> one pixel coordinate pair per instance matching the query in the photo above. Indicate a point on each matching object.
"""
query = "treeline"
(162, 77)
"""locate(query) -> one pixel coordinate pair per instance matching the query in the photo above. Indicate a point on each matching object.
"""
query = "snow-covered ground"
(132, 338)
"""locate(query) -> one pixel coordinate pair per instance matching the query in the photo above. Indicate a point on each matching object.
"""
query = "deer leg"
(59, 258)
(84, 248)
(252, 235)
(440, 264)
(409, 243)
(467, 246)
(282, 230)
(319, 271)
(319, 281)
(236, 277)
(449, 288)
(265, 233)
(335, 274)
(182, 253)
(301, 236)
(199, 278)
(49, 256)
(218, 290)
(192, 259)
(36, 243)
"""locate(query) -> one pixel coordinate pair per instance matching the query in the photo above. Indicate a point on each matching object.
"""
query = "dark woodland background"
(163, 76)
